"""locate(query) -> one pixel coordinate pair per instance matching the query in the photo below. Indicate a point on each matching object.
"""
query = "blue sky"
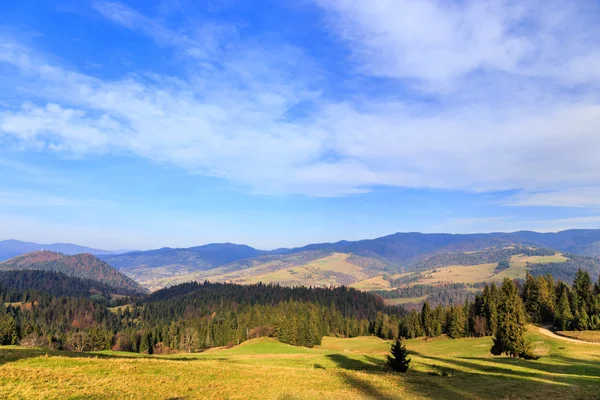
(142, 124)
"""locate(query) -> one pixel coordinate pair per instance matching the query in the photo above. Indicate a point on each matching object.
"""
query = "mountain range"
(320, 264)
(12, 248)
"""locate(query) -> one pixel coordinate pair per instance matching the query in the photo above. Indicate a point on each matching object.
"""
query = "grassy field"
(339, 369)
(331, 270)
(405, 300)
(586, 336)
(374, 283)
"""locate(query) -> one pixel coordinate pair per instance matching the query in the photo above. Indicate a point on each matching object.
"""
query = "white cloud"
(438, 42)
(508, 111)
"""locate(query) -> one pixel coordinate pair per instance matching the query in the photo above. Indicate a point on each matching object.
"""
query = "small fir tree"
(398, 358)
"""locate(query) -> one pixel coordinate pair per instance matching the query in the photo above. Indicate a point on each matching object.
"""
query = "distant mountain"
(330, 263)
(84, 266)
(12, 248)
(168, 261)
(403, 248)
(578, 241)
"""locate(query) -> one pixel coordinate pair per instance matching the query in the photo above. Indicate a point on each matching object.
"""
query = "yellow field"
(538, 259)
(405, 300)
(441, 368)
(586, 336)
(331, 270)
(472, 274)
(374, 283)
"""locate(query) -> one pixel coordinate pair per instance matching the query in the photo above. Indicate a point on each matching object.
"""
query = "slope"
(14, 282)
(166, 262)
(84, 266)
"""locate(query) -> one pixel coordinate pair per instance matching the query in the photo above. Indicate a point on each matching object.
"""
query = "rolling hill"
(83, 266)
(167, 262)
(344, 262)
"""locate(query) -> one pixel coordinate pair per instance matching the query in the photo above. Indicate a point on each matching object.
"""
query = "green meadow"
(441, 368)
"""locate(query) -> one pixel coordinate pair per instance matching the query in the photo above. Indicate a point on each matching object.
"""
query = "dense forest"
(15, 284)
(192, 317)
(566, 271)
(195, 316)
(83, 266)
(542, 299)
(444, 294)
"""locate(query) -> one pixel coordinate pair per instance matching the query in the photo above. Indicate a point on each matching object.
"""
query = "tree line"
(195, 316)
(190, 317)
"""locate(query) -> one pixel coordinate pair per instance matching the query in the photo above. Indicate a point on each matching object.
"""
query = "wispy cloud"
(572, 197)
(516, 102)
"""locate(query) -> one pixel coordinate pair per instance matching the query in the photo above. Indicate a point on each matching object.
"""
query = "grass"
(587, 336)
(557, 258)
(405, 300)
(339, 368)
(374, 283)
(331, 270)
(472, 274)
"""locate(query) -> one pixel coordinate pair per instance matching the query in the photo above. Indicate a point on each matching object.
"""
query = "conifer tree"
(509, 338)
(398, 358)
(531, 298)
(582, 285)
(563, 315)
(427, 319)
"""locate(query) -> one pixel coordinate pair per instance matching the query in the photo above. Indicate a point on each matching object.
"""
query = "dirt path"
(548, 333)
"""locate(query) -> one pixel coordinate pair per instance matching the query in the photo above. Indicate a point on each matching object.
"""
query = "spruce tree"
(563, 316)
(398, 358)
(532, 298)
(509, 338)
(582, 285)
(427, 319)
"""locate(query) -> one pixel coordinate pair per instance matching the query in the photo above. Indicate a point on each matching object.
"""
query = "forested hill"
(350, 302)
(84, 266)
(16, 284)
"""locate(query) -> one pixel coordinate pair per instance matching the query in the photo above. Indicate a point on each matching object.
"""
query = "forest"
(194, 316)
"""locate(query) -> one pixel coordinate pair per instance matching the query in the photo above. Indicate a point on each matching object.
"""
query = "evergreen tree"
(563, 316)
(427, 319)
(582, 286)
(398, 358)
(509, 338)
(532, 298)
(455, 322)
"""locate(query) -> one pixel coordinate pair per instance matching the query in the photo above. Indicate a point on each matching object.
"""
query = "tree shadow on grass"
(364, 387)
(368, 364)
(433, 390)
(565, 366)
(11, 354)
(540, 377)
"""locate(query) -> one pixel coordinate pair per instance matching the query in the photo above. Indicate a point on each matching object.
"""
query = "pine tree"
(398, 358)
(532, 298)
(509, 338)
(427, 319)
(582, 285)
(563, 316)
